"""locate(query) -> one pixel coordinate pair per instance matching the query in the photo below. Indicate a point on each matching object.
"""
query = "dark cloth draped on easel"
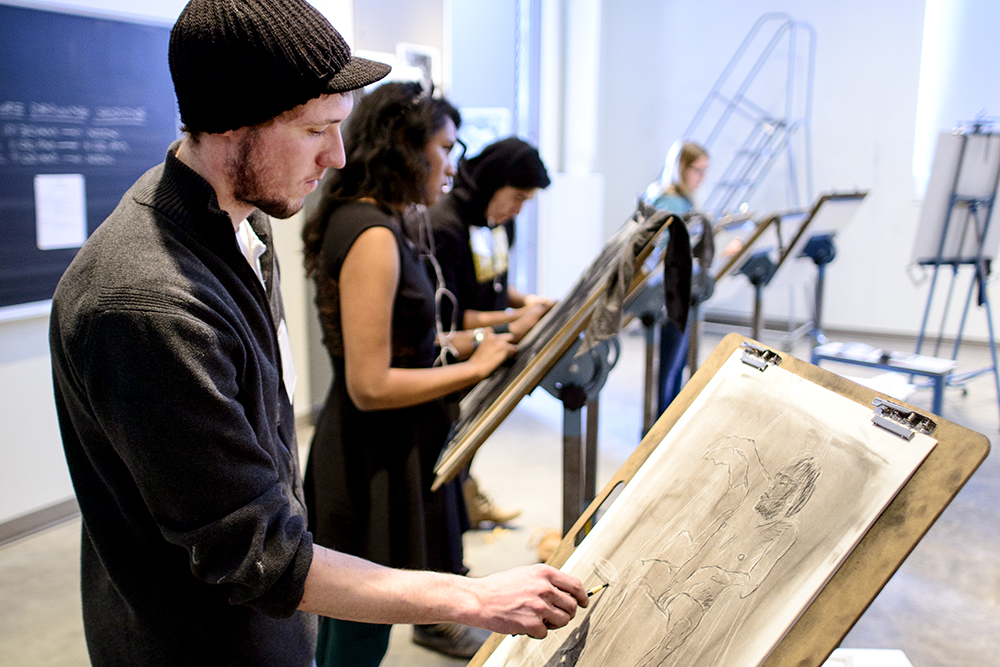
(677, 275)
(606, 318)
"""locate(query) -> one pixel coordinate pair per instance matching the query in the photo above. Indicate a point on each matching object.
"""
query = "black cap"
(241, 62)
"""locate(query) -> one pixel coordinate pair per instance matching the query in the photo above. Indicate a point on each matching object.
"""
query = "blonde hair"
(690, 153)
(682, 154)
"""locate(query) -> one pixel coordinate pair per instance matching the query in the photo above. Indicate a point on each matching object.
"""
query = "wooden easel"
(879, 553)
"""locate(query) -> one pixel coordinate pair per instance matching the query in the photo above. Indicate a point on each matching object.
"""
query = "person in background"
(386, 418)
(683, 172)
(473, 232)
(173, 378)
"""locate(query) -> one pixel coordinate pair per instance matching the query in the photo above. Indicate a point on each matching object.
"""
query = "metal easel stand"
(577, 382)
(759, 268)
(702, 289)
(646, 305)
(821, 250)
(976, 207)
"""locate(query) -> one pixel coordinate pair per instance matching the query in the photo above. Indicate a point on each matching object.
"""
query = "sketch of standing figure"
(730, 527)
(686, 578)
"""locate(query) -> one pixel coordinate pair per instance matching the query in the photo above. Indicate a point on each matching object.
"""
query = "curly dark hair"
(384, 140)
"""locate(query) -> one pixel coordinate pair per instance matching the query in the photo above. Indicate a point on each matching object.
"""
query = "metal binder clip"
(759, 357)
(900, 421)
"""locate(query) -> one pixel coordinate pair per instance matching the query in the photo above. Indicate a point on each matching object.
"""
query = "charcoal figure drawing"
(681, 584)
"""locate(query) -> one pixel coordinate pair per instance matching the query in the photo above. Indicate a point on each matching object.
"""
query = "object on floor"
(860, 354)
(452, 639)
(482, 509)
(891, 384)
(544, 541)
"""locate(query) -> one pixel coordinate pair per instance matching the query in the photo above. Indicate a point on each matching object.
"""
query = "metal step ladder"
(773, 121)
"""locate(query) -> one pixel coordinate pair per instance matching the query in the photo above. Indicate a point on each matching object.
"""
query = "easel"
(967, 239)
(493, 399)
(871, 562)
(646, 304)
(759, 269)
(577, 382)
(814, 241)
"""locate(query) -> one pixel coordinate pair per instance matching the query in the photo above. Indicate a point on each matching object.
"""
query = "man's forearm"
(527, 600)
(350, 588)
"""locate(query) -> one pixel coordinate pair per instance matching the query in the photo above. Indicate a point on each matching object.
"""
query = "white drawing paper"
(731, 527)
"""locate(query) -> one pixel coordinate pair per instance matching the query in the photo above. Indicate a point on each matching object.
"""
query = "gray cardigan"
(180, 438)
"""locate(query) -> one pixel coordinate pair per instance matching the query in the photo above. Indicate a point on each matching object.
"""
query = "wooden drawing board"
(490, 401)
(859, 573)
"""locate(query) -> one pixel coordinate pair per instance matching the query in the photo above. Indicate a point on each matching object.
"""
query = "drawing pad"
(672, 531)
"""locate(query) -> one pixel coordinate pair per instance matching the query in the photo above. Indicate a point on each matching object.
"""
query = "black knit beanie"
(241, 62)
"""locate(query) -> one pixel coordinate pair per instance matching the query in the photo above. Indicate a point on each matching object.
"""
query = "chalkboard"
(86, 107)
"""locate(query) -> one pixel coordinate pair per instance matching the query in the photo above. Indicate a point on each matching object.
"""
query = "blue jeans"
(673, 358)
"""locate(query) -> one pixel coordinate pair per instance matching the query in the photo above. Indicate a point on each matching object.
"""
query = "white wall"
(659, 60)
(570, 210)
(32, 469)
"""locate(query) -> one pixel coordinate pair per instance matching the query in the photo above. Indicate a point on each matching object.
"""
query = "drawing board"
(488, 404)
(829, 216)
(732, 241)
(968, 166)
(770, 237)
(760, 516)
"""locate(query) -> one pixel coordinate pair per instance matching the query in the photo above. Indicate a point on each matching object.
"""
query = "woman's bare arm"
(368, 281)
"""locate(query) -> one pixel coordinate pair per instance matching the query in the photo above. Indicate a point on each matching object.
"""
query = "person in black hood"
(473, 232)
(473, 228)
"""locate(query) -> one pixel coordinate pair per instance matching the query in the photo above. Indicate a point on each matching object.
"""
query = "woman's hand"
(536, 300)
(527, 317)
(492, 351)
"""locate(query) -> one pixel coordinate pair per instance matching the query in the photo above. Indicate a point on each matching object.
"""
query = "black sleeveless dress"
(367, 481)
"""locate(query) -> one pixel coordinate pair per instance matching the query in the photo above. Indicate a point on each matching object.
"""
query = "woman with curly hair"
(367, 481)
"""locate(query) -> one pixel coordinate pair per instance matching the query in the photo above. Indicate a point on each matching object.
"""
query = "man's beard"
(249, 186)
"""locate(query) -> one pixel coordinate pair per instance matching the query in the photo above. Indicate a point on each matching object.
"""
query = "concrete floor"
(942, 608)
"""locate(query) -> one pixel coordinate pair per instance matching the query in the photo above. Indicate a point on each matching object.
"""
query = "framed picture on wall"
(416, 62)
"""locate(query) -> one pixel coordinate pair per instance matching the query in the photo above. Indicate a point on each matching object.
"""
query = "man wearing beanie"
(173, 378)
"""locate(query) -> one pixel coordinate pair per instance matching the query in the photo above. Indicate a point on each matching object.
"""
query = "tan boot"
(544, 541)
(481, 508)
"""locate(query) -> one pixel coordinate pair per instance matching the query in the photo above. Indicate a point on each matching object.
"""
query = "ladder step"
(759, 151)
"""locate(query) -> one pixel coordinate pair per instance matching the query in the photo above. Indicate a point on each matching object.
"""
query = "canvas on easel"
(966, 169)
(490, 401)
(753, 527)
(957, 229)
